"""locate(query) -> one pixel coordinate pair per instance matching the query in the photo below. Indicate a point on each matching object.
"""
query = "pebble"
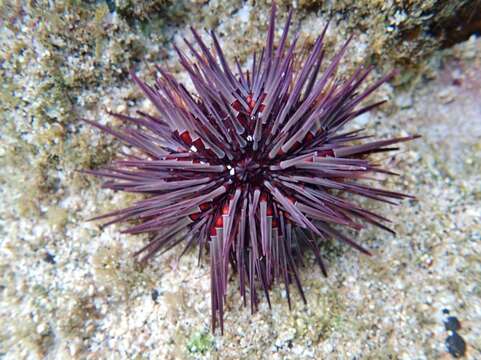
(455, 345)
(452, 323)
(49, 258)
(446, 96)
(155, 295)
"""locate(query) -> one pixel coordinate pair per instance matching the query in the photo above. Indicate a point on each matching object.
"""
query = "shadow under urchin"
(252, 166)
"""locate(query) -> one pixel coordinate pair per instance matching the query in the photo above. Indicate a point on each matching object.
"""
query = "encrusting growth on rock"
(253, 166)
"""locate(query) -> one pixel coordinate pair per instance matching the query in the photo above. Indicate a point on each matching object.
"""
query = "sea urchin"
(253, 167)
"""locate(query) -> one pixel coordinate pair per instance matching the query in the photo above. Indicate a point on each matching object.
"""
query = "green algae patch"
(200, 342)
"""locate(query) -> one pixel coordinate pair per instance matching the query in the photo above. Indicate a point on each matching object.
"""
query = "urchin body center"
(248, 170)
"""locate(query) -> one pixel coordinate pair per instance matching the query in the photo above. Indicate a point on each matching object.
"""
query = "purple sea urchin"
(253, 166)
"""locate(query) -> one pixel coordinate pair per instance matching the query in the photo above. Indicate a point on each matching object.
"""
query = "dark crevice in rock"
(466, 21)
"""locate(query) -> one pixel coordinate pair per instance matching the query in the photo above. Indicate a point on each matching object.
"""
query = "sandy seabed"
(69, 289)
